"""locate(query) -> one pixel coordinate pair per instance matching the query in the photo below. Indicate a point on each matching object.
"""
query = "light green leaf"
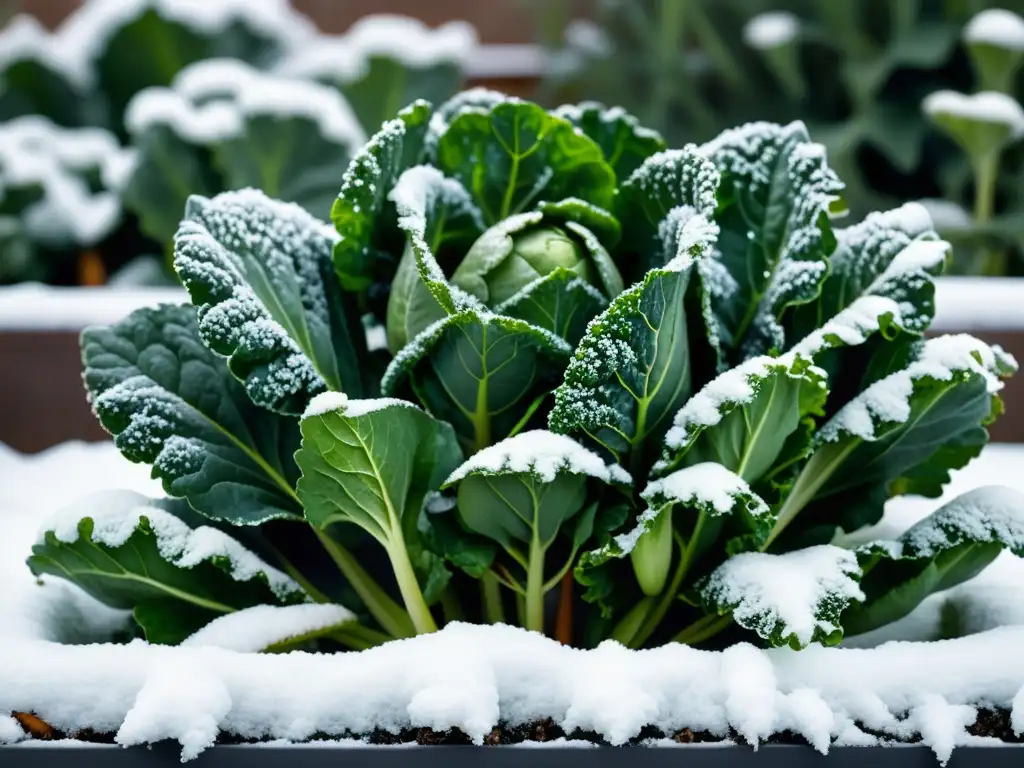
(793, 599)
(131, 552)
(633, 369)
(372, 463)
(625, 143)
(774, 202)
(950, 546)
(559, 302)
(260, 272)
(361, 213)
(516, 155)
(170, 402)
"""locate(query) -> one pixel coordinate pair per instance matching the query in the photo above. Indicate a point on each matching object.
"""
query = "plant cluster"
(543, 370)
(195, 97)
(856, 72)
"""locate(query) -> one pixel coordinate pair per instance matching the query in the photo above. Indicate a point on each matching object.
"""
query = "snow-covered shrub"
(673, 459)
(225, 125)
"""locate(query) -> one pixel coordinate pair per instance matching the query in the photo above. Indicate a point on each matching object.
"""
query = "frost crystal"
(541, 453)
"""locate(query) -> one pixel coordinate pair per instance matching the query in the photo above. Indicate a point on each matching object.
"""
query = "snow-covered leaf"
(634, 367)
(440, 222)
(625, 143)
(135, 553)
(517, 154)
(371, 463)
(900, 427)
(774, 202)
(953, 544)
(170, 402)
(480, 372)
(711, 510)
(793, 599)
(260, 272)
(276, 628)
(361, 213)
(752, 419)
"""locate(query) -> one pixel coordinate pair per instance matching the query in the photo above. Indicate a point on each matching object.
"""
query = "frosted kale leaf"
(516, 154)
(792, 599)
(625, 143)
(633, 369)
(135, 553)
(440, 221)
(260, 273)
(170, 402)
(950, 546)
(367, 247)
(483, 373)
(774, 203)
(903, 434)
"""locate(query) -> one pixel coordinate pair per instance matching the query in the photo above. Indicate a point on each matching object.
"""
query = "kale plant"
(543, 370)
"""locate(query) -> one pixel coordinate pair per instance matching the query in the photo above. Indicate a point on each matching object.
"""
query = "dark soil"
(992, 723)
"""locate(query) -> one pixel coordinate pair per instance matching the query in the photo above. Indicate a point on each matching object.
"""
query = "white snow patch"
(23, 38)
(32, 306)
(210, 101)
(984, 107)
(708, 483)
(326, 402)
(997, 27)
(772, 29)
(254, 629)
(978, 304)
(10, 731)
(541, 453)
(346, 59)
(946, 214)
(789, 588)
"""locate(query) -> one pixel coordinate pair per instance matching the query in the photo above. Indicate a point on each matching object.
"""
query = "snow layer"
(23, 38)
(255, 629)
(326, 402)
(542, 453)
(346, 59)
(984, 107)
(211, 100)
(997, 27)
(36, 153)
(771, 30)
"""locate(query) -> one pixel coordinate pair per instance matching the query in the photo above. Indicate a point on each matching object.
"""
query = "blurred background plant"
(857, 72)
(109, 122)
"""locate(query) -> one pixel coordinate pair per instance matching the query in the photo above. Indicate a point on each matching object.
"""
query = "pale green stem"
(535, 587)
(490, 591)
(703, 629)
(986, 174)
(451, 606)
(667, 597)
(630, 624)
(412, 596)
(384, 610)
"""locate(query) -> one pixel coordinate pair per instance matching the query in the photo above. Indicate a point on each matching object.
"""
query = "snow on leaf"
(790, 599)
(775, 241)
(953, 544)
(625, 143)
(542, 454)
(264, 628)
(260, 272)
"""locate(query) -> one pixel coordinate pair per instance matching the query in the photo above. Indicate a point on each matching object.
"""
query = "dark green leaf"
(130, 552)
(516, 155)
(169, 401)
(948, 547)
(260, 272)
(625, 143)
